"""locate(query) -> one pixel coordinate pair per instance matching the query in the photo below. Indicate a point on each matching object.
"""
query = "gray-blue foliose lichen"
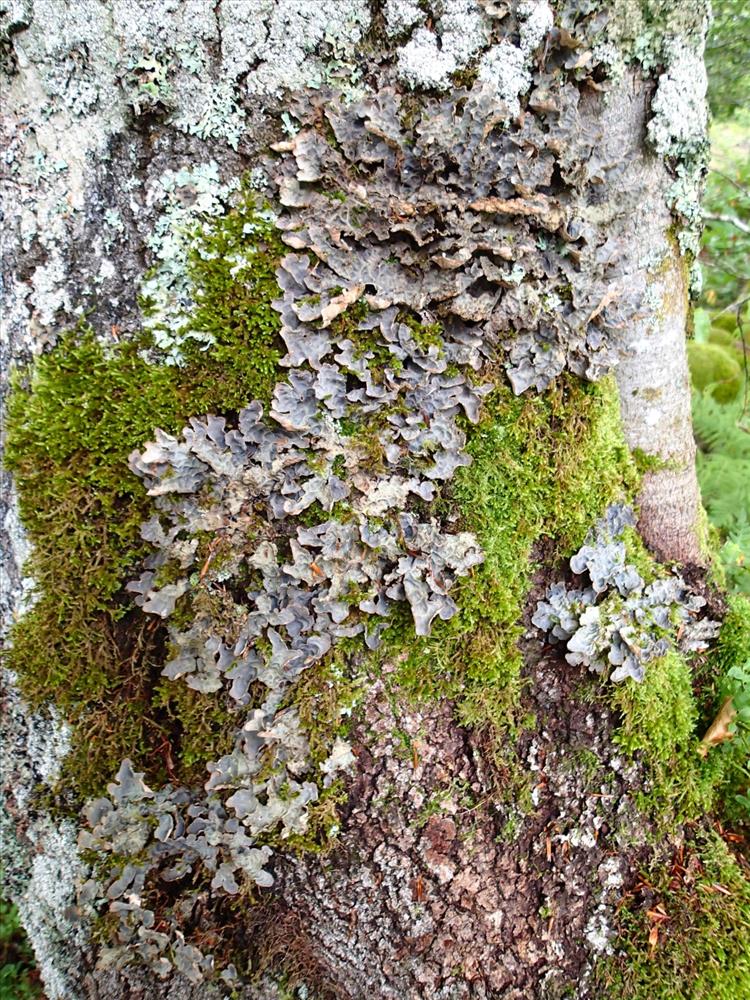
(617, 622)
(395, 228)
(398, 299)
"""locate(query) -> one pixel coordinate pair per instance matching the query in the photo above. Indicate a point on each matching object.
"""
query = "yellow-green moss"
(645, 462)
(663, 719)
(72, 420)
(638, 554)
(425, 334)
(703, 950)
(325, 697)
(366, 342)
(544, 468)
(726, 321)
(729, 761)
(730, 340)
(658, 723)
(733, 645)
(233, 272)
(71, 423)
(714, 368)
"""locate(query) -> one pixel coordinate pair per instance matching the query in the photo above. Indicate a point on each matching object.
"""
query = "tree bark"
(519, 164)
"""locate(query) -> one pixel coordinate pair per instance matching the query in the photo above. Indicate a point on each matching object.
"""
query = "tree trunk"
(457, 218)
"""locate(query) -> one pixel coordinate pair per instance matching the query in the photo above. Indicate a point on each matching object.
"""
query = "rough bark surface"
(439, 885)
(409, 898)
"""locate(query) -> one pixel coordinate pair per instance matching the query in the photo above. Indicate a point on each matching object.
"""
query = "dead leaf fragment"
(339, 304)
(446, 263)
(719, 731)
(715, 887)
(609, 297)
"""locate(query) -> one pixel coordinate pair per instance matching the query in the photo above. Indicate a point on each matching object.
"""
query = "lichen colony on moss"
(405, 244)
(618, 620)
(553, 459)
(72, 422)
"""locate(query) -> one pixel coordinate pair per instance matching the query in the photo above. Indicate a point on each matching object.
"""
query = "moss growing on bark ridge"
(72, 421)
(233, 271)
(71, 424)
(544, 468)
(659, 718)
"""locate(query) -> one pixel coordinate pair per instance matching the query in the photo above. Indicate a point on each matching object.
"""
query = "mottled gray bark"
(653, 374)
(399, 908)
(655, 392)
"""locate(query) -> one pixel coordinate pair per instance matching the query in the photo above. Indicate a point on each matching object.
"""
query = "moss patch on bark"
(73, 418)
(544, 468)
(233, 272)
(659, 719)
(685, 930)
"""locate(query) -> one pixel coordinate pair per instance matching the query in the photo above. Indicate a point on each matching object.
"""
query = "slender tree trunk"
(473, 211)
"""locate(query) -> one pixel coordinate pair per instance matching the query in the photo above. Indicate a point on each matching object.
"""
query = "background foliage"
(17, 978)
(720, 360)
(726, 57)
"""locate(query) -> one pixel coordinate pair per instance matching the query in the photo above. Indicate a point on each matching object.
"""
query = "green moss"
(196, 728)
(731, 342)
(345, 326)
(233, 270)
(733, 645)
(544, 468)
(365, 439)
(638, 554)
(663, 718)
(325, 697)
(728, 762)
(703, 951)
(713, 367)
(731, 649)
(726, 322)
(645, 462)
(658, 723)
(583, 761)
(425, 334)
(72, 421)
